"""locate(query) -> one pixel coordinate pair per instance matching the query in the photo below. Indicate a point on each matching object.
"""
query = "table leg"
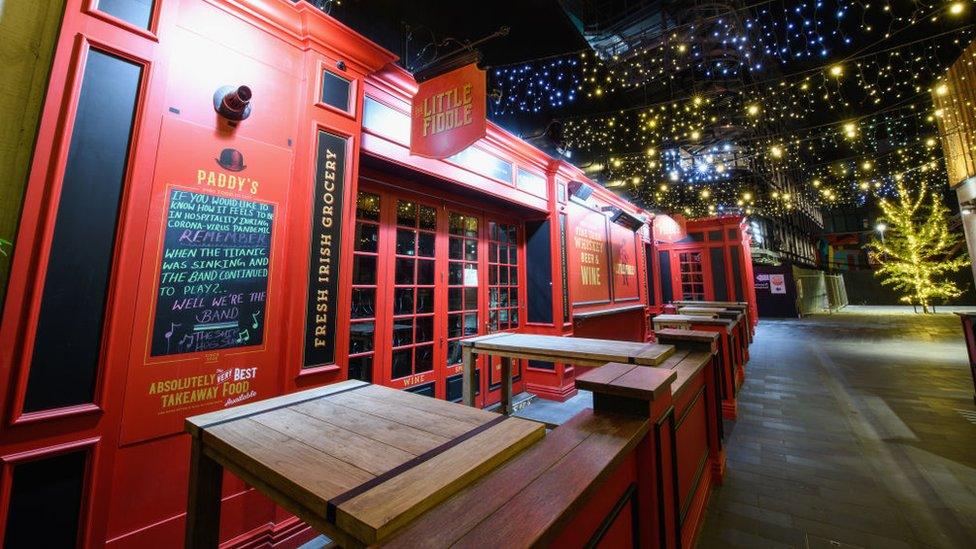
(506, 407)
(467, 377)
(203, 502)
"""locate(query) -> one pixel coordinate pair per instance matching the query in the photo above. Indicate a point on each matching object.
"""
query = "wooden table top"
(723, 304)
(361, 458)
(728, 323)
(707, 310)
(560, 349)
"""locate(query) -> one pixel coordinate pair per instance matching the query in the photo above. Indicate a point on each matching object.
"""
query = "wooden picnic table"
(355, 461)
(579, 351)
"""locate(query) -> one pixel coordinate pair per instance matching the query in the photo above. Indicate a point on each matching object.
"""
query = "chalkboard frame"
(157, 276)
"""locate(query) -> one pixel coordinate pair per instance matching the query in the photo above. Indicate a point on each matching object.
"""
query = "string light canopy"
(755, 110)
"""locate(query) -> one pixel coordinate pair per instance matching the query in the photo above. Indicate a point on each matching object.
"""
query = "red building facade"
(172, 260)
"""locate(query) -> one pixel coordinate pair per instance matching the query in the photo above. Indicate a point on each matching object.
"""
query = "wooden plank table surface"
(579, 351)
(701, 311)
(355, 461)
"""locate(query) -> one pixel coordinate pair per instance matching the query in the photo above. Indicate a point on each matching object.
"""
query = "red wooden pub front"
(223, 207)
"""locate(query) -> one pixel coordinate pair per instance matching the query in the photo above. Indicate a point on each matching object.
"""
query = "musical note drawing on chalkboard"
(169, 334)
(254, 316)
(243, 336)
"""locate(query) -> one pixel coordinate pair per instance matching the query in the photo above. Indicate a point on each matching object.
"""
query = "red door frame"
(391, 188)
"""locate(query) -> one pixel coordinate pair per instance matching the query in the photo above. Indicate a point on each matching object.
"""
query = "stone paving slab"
(854, 431)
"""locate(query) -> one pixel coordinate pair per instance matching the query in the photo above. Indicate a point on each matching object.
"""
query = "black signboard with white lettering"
(323, 268)
(213, 280)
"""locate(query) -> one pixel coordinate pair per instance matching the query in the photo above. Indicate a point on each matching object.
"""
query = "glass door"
(692, 276)
(463, 297)
(412, 328)
(503, 299)
(363, 303)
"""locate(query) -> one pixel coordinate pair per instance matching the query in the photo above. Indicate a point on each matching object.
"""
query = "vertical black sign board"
(323, 267)
(213, 281)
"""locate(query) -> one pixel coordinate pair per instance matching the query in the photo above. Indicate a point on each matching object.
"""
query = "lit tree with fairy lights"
(916, 248)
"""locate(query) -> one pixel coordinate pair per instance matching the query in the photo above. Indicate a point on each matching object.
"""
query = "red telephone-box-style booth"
(707, 260)
(223, 207)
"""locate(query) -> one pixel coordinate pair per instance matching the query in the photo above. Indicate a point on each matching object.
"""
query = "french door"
(427, 274)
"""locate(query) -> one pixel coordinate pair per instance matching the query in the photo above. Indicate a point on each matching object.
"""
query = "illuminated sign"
(668, 228)
(448, 113)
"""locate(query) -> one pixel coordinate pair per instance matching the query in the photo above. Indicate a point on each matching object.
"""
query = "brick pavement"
(852, 431)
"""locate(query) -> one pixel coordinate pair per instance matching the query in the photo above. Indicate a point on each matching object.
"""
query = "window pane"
(401, 363)
(363, 303)
(425, 244)
(454, 299)
(428, 218)
(361, 337)
(424, 356)
(368, 206)
(403, 301)
(425, 272)
(335, 91)
(425, 300)
(404, 271)
(424, 329)
(367, 237)
(402, 332)
(361, 368)
(406, 213)
(136, 12)
(364, 269)
(406, 242)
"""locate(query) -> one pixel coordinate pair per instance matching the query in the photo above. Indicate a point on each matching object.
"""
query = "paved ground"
(855, 429)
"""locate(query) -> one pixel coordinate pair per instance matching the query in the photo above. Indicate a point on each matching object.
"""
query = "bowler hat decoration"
(231, 160)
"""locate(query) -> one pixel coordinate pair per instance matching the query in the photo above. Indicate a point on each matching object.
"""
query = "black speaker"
(580, 190)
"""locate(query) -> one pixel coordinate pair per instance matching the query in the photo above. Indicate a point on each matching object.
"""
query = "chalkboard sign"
(213, 280)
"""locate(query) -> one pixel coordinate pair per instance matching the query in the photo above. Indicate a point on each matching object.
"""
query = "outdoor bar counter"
(730, 352)
(368, 465)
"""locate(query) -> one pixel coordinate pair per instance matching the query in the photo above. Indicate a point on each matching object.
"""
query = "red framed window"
(692, 277)
(413, 291)
(462, 282)
(363, 305)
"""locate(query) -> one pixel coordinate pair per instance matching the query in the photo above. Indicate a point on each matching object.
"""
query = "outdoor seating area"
(651, 445)
(320, 274)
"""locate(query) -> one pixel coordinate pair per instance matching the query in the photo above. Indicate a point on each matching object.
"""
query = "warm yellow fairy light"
(930, 142)
(776, 151)
(816, 182)
(864, 185)
(720, 168)
(616, 162)
(664, 187)
(836, 70)
(695, 134)
(866, 165)
(942, 89)
(705, 193)
(956, 8)
(651, 151)
(635, 180)
(753, 110)
(747, 196)
(682, 48)
(850, 130)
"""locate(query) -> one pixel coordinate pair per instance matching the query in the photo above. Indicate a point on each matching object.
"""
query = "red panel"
(624, 254)
(586, 243)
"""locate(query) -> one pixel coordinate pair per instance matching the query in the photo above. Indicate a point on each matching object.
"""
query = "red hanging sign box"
(448, 113)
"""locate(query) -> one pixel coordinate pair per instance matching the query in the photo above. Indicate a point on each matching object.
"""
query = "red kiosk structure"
(223, 206)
